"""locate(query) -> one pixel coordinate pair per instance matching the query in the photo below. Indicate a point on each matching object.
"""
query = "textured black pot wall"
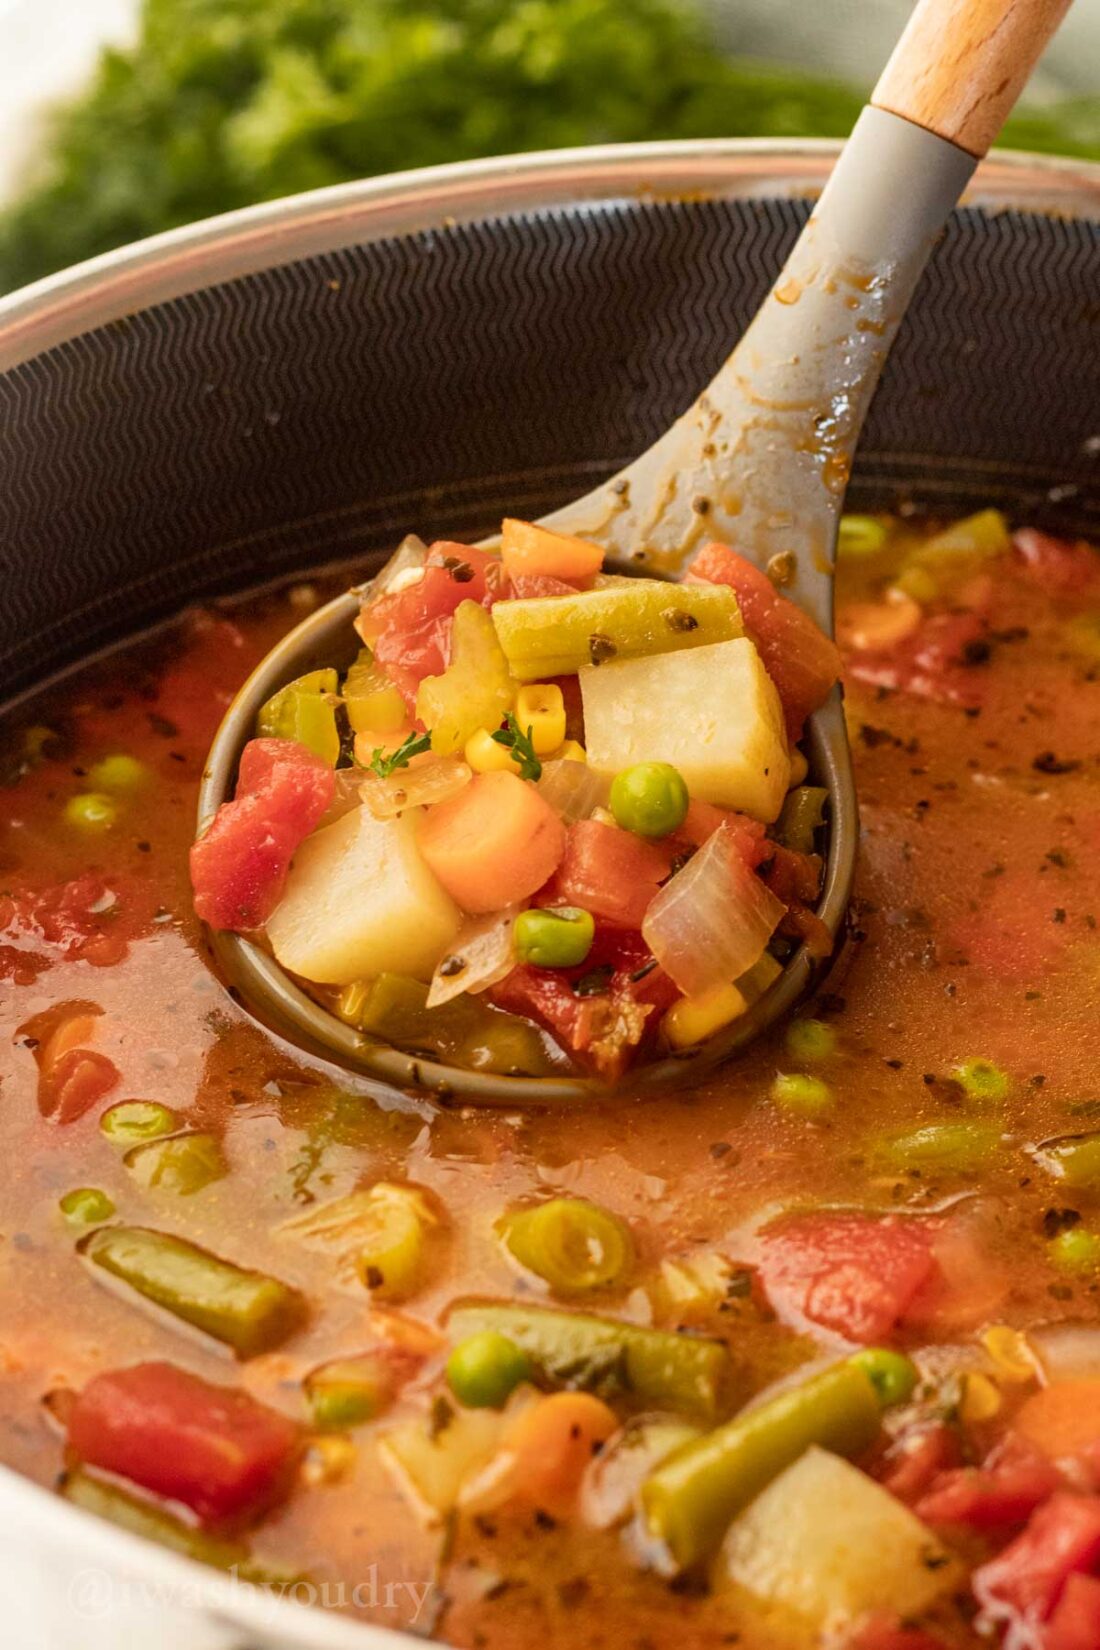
(317, 410)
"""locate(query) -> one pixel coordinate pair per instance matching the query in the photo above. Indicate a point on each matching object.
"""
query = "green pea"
(960, 1146)
(1077, 1250)
(560, 938)
(650, 799)
(92, 811)
(484, 1369)
(892, 1374)
(860, 536)
(135, 1120)
(982, 1080)
(86, 1206)
(810, 1040)
(800, 1095)
(348, 1391)
(119, 773)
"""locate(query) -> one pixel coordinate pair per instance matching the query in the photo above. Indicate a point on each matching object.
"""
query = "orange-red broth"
(974, 936)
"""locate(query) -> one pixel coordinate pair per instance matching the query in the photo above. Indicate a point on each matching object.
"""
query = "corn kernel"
(980, 1399)
(693, 1019)
(485, 755)
(541, 708)
(800, 769)
(327, 1460)
(570, 750)
(1011, 1353)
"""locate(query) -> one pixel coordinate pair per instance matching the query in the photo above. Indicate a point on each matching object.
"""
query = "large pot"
(302, 382)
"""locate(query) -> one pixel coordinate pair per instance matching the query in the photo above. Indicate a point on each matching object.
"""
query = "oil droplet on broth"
(789, 292)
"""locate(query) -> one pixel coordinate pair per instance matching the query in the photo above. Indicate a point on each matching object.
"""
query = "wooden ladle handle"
(961, 64)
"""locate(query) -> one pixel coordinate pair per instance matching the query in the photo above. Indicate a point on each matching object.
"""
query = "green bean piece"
(153, 1523)
(688, 1374)
(803, 813)
(892, 1374)
(182, 1163)
(86, 1206)
(245, 1310)
(485, 1369)
(956, 1147)
(982, 1080)
(391, 1239)
(132, 1121)
(305, 710)
(372, 702)
(690, 1500)
(1074, 1160)
(349, 1391)
(464, 1030)
(574, 1246)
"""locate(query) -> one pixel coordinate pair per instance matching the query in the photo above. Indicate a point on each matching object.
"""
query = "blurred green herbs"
(226, 102)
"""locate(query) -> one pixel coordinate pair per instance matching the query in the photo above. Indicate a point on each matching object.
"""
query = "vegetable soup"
(809, 1355)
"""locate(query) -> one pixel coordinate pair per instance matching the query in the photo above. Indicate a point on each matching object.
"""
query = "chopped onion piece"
(573, 789)
(1067, 1351)
(424, 781)
(713, 920)
(482, 954)
(410, 556)
(345, 795)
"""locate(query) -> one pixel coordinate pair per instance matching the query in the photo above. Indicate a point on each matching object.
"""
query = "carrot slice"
(528, 551)
(553, 1441)
(1064, 1419)
(494, 843)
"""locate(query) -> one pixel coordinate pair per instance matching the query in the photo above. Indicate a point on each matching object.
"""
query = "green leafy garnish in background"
(222, 103)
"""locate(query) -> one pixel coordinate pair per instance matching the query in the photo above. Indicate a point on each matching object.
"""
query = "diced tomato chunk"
(1075, 1624)
(1022, 1585)
(541, 584)
(747, 835)
(800, 659)
(1006, 1490)
(88, 919)
(212, 1448)
(603, 1010)
(75, 1083)
(852, 1273)
(916, 1459)
(410, 630)
(239, 866)
(610, 872)
(1061, 567)
(937, 661)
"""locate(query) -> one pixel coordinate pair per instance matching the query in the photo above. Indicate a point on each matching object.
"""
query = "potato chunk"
(359, 901)
(828, 1543)
(712, 712)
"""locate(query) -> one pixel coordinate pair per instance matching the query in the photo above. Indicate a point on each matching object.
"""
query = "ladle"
(760, 461)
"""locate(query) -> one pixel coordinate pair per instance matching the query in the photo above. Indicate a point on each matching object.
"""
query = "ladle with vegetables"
(575, 807)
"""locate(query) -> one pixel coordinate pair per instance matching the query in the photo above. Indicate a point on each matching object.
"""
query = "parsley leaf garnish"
(521, 747)
(413, 745)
